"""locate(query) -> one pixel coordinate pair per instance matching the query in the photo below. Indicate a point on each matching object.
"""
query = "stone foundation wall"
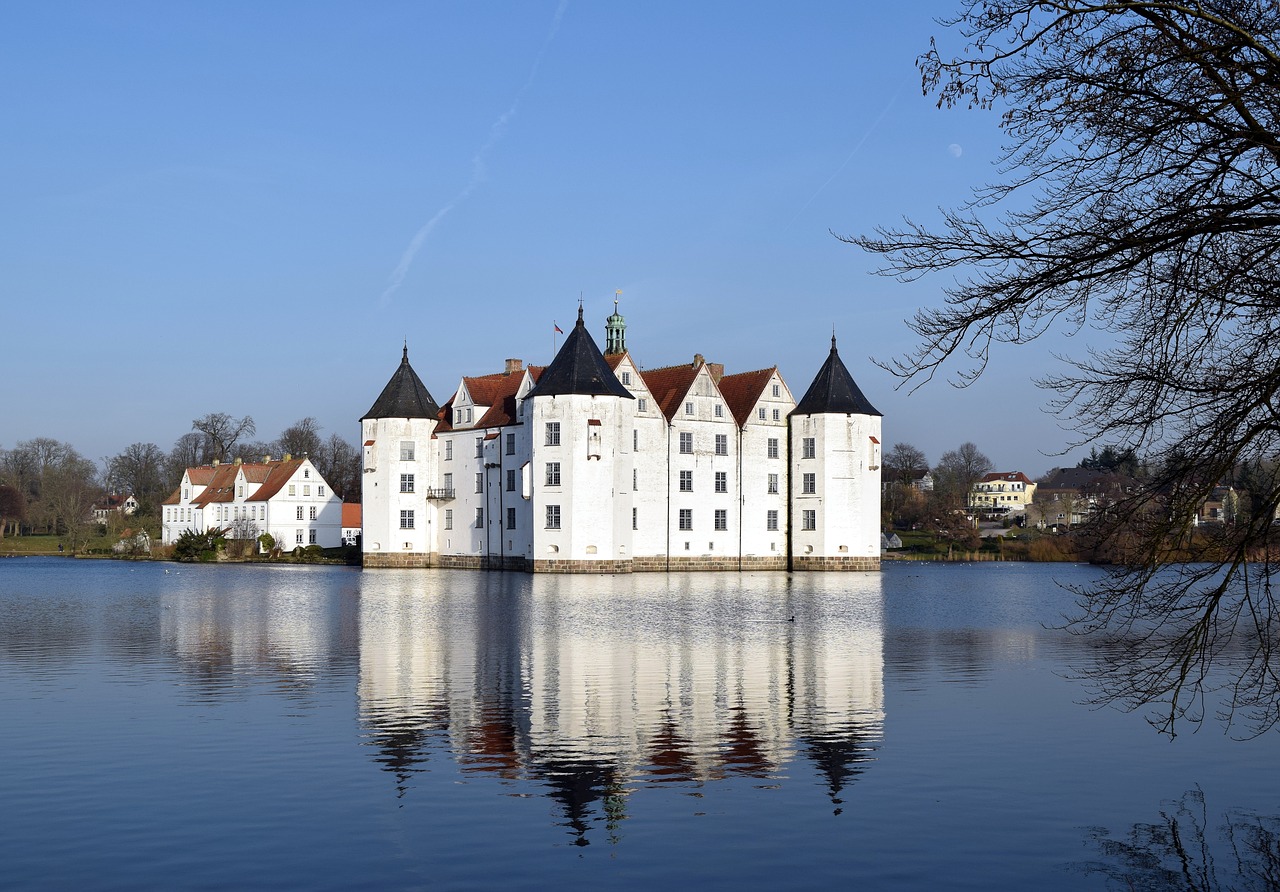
(402, 559)
(843, 563)
(565, 566)
(639, 564)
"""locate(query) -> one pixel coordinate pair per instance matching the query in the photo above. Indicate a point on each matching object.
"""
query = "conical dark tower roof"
(579, 368)
(833, 391)
(405, 396)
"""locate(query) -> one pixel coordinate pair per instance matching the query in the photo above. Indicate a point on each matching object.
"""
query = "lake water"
(209, 727)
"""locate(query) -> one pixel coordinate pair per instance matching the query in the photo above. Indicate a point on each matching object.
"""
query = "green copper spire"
(615, 341)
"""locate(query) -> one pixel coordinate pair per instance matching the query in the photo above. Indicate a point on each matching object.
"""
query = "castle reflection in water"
(588, 688)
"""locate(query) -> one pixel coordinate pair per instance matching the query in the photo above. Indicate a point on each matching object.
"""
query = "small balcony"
(439, 494)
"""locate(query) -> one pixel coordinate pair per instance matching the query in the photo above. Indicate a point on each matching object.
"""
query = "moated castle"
(594, 465)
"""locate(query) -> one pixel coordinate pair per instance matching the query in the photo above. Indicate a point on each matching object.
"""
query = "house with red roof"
(286, 498)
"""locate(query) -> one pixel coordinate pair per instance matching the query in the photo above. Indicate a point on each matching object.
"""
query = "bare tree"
(139, 470)
(301, 438)
(1141, 197)
(904, 463)
(221, 432)
(339, 463)
(956, 473)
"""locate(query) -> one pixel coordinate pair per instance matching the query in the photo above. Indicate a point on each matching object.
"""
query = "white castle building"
(594, 465)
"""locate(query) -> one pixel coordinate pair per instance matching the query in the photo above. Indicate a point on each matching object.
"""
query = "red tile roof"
(352, 514)
(280, 472)
(501, 389)
(742, 391)
(669, 385)
(1008, 476)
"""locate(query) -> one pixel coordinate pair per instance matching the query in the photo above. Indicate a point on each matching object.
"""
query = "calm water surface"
(210, 727)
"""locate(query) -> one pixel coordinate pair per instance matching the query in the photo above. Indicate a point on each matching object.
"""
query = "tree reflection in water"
(1181, 852)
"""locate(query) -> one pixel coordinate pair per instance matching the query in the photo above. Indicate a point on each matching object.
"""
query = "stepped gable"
(669, 385)
(833, 391)
(742, 391)
(405, 396)
(579, 368)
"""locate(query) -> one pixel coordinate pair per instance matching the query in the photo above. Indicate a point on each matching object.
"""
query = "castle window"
(688, 408)
(626, 377)
(511, 481)
(810, 484)
(239, 492)
(297, 537)
(776, 416)
(306, 489)
(448, 450)
(635, 440)
(553, 517)
(773, 484)
(293, 490)
(686, 443)
(448, 518)
(808, 447)
(479, 481)
(761, 413)
(553, 433)
(511, 518)
(479, 447)
(406, 450)
(722, 519)
(406, 520)
(722, 481)
(777, 390)
(686, 481)
(773, 447)
(809, 520)
(635, 514)
(312, 513)
(686, 518)
(511, 444)
(719, 411)
(299, 512)
(312, 537)
(448, 483)
(479, 518)
(553, 473)
(406, 483)
(644, 405)
(722, 444)
(320, 491)
(771, 520)
(468, 414)
(635, 480)
(457, 416)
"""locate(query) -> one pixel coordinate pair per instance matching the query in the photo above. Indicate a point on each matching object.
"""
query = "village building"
(286, 498)
(1001, 492)
(593, 464)
(113, 505)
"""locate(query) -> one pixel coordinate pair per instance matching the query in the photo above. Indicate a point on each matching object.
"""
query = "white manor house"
(594, 465)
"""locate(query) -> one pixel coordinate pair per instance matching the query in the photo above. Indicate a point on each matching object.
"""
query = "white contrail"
(496, 131)
(847, 159)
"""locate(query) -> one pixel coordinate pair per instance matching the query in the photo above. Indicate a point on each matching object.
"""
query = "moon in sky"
(956, 150)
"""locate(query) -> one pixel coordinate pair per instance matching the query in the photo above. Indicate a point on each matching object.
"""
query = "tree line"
(48, 487)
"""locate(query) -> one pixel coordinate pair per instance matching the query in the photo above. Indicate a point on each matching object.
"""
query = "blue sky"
(247, 208)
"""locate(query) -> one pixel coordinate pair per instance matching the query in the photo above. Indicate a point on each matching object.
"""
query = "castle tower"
(615, 327)
(582, 419)
(834, 481)
(399, 469)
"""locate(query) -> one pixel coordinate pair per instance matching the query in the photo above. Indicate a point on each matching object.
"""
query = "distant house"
(1070, 496)
(1002, 491)
(113, 504)
(351, 523)
(1220, 507)
(287, 499)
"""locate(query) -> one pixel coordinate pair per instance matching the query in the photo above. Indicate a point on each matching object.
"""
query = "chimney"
(717, 370)
(514, 366)
(698, 359)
